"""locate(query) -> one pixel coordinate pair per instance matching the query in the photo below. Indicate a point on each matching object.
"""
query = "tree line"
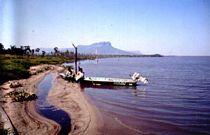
(28, 51)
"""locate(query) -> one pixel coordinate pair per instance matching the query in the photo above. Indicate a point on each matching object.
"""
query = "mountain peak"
(101, 48)
(101, 44)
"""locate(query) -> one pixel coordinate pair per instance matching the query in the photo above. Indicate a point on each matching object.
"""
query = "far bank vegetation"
(16, 61)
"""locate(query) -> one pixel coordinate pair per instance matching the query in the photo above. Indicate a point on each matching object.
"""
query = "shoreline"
(85, 118)
(27, 120)
(23, 115)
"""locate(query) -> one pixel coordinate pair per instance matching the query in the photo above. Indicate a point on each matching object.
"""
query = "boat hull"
(97, 81)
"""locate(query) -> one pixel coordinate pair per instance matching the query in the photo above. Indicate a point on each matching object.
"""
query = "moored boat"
(97, 81)
(108, 81)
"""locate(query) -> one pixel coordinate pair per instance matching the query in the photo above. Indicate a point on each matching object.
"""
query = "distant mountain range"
(96, 48)
(102, 48)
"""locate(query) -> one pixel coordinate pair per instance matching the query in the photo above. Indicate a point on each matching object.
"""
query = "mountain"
(136, 52)
(101, 48)
(95, 48)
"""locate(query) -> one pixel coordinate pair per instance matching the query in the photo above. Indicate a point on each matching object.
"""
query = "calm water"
(49, 111)
(175, 102)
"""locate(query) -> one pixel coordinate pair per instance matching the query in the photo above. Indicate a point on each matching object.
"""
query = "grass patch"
(16, 67)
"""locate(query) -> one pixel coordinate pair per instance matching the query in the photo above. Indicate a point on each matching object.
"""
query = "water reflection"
(139, 92)
(49, 111)
(135, 91)
(111, 87)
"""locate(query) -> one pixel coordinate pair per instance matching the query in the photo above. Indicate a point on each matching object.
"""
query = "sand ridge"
(85, 118)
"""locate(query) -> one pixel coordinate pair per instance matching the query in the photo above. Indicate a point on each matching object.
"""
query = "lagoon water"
(175, 102)
(48, 110)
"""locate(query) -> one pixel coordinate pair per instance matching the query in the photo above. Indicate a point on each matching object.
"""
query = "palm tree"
(32, 52)
(1, 48)
(56, 50)
(37, 50)
(13, 47)
(43, 53)
(27, 50)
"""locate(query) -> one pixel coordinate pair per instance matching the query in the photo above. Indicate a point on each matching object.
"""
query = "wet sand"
(85, 117)
(23, 115)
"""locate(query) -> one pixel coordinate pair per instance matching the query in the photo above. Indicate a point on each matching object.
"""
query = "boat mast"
(75, 58)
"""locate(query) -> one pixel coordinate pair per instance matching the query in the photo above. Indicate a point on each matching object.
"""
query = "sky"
(167, 27)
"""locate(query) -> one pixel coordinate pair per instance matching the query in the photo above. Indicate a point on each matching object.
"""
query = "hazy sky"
(168, 27)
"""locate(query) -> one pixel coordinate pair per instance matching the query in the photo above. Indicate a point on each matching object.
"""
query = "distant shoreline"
(118, 56)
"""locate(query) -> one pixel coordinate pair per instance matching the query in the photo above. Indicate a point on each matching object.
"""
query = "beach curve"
(85, 118)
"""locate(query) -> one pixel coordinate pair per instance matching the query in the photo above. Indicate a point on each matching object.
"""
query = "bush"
(16, 67)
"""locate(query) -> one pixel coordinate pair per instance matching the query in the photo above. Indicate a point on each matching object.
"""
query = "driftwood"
(15, 84)
(19, 96)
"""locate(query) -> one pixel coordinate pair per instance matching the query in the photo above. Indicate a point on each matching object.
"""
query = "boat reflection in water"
(139, 92)
(134, 90)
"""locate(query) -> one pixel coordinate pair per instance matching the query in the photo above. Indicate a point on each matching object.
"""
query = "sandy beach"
(85, 118)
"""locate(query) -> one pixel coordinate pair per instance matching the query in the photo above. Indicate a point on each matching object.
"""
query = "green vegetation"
(16, 67)
(15, 62)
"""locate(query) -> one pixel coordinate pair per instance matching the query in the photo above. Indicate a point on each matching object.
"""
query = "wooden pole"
(75, 58)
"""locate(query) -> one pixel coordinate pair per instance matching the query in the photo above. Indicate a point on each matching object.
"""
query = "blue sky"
(168, 27)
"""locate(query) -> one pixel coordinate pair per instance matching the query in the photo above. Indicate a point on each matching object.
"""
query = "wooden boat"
(108, 81)
(97, 81)
(136, 77)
